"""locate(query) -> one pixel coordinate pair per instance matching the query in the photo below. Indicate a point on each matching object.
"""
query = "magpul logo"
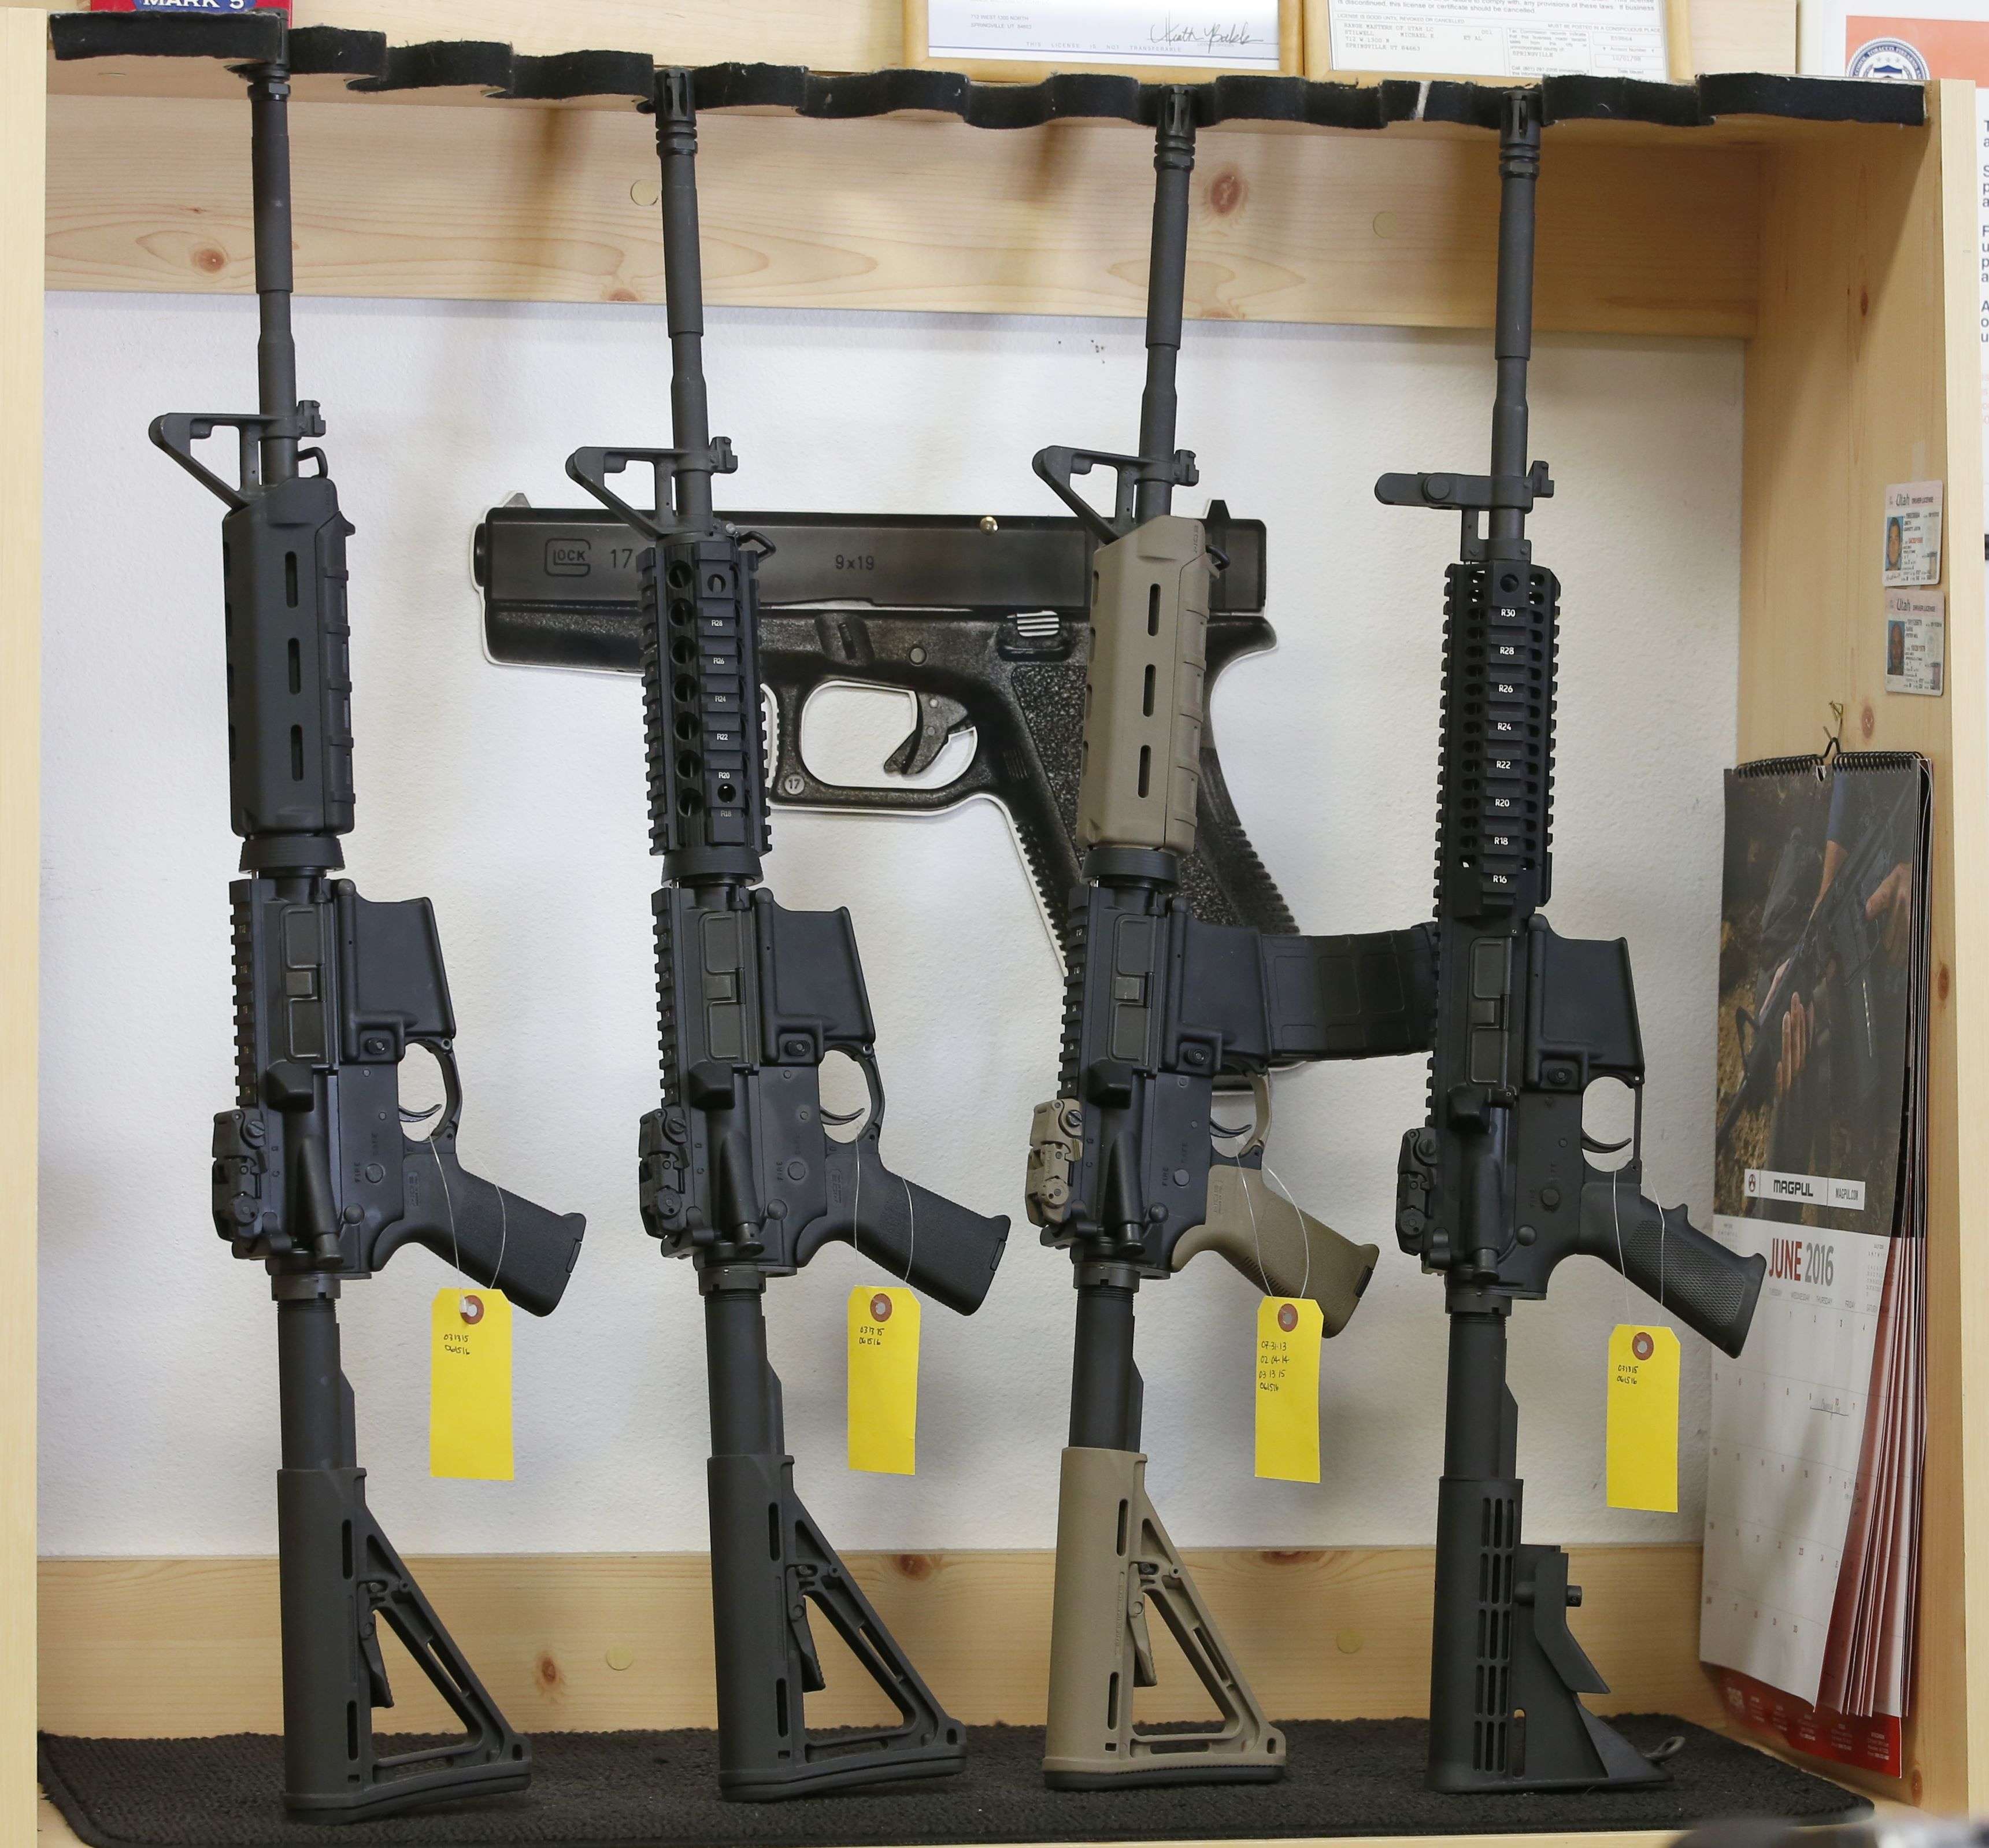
(567, 558)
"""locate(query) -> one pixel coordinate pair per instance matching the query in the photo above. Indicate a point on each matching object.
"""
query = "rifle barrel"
(1520, 171)
(1166, 274)
(683, 290)
(276, 351)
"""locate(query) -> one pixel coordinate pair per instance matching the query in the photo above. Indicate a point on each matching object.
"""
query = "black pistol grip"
(946, 1251)
(494, 1237)
(1708, 1288)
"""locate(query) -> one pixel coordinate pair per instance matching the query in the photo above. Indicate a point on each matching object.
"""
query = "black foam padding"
(568, 74)
(254, 37)
(444, 64)
(1812, 99)
(337, 51)
(619, 1790)
(1064, 96)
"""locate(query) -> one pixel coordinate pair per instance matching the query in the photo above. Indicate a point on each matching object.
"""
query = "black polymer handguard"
(289, 674)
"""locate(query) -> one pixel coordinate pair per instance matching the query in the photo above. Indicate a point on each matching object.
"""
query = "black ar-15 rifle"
(983, 621)
(1160, 1005)
(738, 1171)
(313, 1175)
(1495, 1190)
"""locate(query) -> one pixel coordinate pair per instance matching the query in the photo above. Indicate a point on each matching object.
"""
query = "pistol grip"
(1711, 1289)
(1278, 1245)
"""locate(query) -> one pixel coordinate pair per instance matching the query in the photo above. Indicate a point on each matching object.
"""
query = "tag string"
(1285, 1194)
(454, 1245)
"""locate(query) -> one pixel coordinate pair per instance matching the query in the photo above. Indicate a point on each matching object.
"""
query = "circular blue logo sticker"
(1892, 59)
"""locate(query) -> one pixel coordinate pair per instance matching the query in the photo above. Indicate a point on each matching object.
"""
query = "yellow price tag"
(1643, 1398)
(1289, 1329)
(469, 1384)
(884, 1382)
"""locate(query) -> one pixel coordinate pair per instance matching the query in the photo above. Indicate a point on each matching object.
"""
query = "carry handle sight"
(591, 468)
(1056, 465)
(178, 431)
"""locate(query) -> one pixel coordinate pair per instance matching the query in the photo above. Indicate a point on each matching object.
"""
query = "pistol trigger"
(938, 720)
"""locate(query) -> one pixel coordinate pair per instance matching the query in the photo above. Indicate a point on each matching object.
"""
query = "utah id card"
(1912, 534)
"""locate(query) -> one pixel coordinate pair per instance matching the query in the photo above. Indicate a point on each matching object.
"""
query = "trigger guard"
(451, 1106)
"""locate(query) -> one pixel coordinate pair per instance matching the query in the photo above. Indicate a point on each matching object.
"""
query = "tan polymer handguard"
(1272, 1240)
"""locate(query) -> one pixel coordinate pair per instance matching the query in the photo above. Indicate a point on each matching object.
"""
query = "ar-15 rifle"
(1159, 1005)
(1495, 1190)
(982, 620)
(738, 1172)
(313, 1176)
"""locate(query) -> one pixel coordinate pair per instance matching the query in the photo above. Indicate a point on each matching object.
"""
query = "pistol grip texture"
(493, 1237)
(1145, 697)
(1277, 1245)
(1114, 1565)
(1708, 1288)
(946, 1251)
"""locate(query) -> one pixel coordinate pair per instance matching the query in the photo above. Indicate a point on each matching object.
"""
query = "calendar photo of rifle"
(1814, 1495)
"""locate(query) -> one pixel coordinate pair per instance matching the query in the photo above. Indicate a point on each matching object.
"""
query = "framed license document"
(1024, 40)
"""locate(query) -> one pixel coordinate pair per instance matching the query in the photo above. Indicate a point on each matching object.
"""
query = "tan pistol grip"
(1115, 1568)
(1278, 1245)
(1144, 694)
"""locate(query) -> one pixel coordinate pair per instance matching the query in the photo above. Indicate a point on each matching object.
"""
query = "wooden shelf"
(1844, 254)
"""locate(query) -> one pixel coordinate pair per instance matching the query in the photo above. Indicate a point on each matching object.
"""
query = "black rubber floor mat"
(626, 1789)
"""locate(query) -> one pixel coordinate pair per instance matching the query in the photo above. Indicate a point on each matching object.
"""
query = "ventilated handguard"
(1144, 695)
(1116, 1566)
(289, 674)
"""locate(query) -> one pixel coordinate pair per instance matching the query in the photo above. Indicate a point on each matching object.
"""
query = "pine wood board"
(22, 194)
(1865, 372)
(897, 213)
(185, 1646)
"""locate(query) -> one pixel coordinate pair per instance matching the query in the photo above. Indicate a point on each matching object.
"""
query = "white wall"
(515, 800)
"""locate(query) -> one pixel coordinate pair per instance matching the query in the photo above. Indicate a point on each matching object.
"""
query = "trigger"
(939, 719)
(1595, 1148)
